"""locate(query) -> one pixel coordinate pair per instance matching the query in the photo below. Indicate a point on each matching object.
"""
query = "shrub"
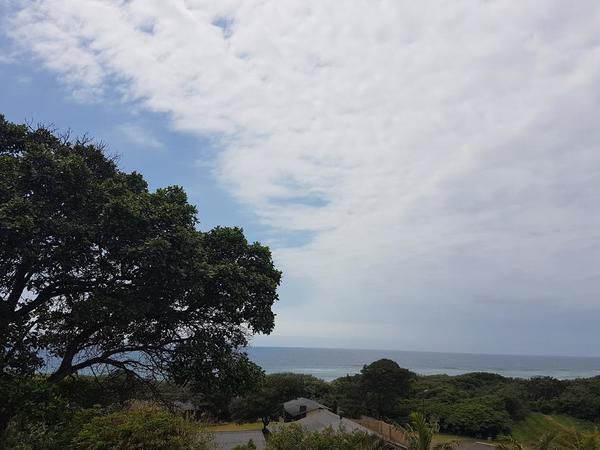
(384, 383)
(142, 426)
(579, 400)
(294, 437)
(86, 391)
(476, 417)
(34, 413)
(249, 446)
(349, 396)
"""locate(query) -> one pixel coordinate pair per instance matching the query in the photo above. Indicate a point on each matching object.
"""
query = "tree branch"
(51, 291)
(21, 277)
(67, 368)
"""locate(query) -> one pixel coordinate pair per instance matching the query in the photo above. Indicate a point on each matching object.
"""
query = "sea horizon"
(331, 363)
(558, 355)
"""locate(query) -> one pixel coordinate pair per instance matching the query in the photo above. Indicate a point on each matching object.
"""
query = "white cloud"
(444, 154)
(139, 136)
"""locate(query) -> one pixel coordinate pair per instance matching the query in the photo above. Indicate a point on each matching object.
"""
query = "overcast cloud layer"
(441, 160)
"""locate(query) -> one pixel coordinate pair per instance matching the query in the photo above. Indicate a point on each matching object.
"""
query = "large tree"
(383, 383)
(96, 269)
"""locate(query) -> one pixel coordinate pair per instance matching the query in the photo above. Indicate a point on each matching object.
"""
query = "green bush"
(349, 396)
(249, 446)
(294, 437)
(476, 417)
(87, 391)
(142, 426)
(33, 412)
(579, 400)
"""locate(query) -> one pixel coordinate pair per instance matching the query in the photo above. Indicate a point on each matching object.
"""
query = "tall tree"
(384, 382)
(254, 406)
(95, 269)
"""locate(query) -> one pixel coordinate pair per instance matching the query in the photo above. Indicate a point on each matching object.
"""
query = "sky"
(427, 174)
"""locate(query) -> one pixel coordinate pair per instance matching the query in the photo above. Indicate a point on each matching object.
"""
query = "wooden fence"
(387, 430)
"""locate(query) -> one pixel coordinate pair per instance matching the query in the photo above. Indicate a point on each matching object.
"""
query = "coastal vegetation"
(484, 405)
(529, 430)
(141, 426)
(59, 412)
(475, 405)
(294, 437)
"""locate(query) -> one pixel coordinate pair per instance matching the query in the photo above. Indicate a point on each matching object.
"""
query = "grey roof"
(292, 407)
(322, 419)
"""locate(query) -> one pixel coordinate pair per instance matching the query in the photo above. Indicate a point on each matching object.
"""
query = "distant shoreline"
(423, 351)
(331, 363)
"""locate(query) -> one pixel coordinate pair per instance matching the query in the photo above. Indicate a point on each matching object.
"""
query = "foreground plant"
(510, 443)
(142, 426)
(584, 441)
(546, 442)
(294, 437)
(420, 432)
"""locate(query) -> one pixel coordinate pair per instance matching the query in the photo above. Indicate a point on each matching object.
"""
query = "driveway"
(226, 440)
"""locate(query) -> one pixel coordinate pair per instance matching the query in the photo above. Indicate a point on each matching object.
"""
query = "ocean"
(331, 363)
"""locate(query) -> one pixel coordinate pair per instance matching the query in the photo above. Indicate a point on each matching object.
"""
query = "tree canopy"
(384, 382)
(96, 269)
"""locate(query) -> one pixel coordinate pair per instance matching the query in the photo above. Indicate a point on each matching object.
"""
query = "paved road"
(226, 440)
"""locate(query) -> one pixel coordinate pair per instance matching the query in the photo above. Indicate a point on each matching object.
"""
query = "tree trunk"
(265, 420)
(65, 369)
(60, 374)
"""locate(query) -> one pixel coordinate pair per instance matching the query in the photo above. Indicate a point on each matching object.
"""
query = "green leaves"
(293, 437)
(384, 382)
(419, 433)
(97, 270)
(141, 426)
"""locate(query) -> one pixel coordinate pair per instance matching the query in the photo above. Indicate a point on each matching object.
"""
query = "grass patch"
(535, 425)
(442, 438)
(231, 426)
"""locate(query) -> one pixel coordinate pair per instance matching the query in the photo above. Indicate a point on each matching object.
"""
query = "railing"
(387, 430)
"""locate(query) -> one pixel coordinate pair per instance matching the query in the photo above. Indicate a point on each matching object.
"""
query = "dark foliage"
(97, 270)
(348, 396)
(383, 383)
(475, 404)
(293, 437)
(376, 391)
(140, 427)
(482, 405)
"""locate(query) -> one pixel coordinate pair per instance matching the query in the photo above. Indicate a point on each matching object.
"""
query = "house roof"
(320, 420)
(293, 407)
